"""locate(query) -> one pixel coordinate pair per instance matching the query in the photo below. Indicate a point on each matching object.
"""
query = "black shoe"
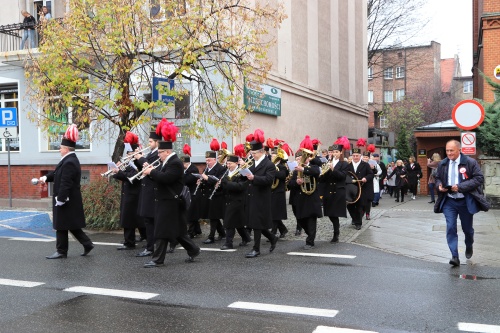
(140, 239)
(227, 247)
(243, 243)
(87, 249)
(125, 247)
(357, 226)
(283, 235)
(468, 252)
(273, 244)
(57, 255)
(221, 237)
(153, 264)
(308, 247)
(335, 239)
(252, 254)
(455, 261)
(367, 216)
(209, 241)
(191, 257)
(144, 253)
(397, 200)
(432, 201)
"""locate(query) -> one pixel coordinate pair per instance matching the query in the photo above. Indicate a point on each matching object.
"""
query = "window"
(467, 87)
(9, 98)
(388, 96)
(37, 8)
(158, 12)
(400, 94)
(370, 73)
(383, 122)
(400, 72)
(370, 96)
(388, 73)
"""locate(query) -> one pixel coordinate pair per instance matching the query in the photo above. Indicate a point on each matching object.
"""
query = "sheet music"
(128, 147)
(112, 165)
(292, 165)
(323, 160)
(245, 172)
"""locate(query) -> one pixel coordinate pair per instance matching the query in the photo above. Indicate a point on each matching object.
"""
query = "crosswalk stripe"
(331, 329)
(111, 292)
(324, 255)
(284, 309)
(20, 283)
(25, 231)
(28, 239)
(110, 244)
(479, 328)
(210, 249)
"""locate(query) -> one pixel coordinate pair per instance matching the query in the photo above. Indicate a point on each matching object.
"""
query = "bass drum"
(352, 188)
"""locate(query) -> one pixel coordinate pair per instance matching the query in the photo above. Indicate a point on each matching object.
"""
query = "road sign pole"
(7, 141)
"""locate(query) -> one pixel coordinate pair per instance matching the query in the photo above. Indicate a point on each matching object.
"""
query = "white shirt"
(257, 162)
(355, 165)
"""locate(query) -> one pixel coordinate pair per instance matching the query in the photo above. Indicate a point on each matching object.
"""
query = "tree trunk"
(119, 147)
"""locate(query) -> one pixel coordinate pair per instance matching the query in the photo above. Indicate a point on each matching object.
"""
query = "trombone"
(127, 159)
(140, 175)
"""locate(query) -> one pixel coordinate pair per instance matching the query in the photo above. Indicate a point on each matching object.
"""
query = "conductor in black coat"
(364, 173)
(170, 213)
(193, 214)
(258, 200)
(67, 205)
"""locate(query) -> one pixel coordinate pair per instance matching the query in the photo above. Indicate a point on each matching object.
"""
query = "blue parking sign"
(8, 117)
(157, 96)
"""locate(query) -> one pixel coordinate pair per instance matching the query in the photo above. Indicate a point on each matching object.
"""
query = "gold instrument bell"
(281, 155)
(309, 185)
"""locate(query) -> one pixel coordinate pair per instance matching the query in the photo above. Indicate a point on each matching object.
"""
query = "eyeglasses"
(161, 151)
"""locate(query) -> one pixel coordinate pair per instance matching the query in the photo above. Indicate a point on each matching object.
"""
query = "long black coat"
(278, 195)
(307, 205)
(211, 208)
(364, 171)
(129, 199)
(400, 174)
(258, 198)
(234, 195)
(413, 174)
(190, 181)
(146, 205)
(66, 178)
(334, 197)
(170, 217)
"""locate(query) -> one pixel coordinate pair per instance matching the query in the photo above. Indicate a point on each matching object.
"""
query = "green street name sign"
(262, 99)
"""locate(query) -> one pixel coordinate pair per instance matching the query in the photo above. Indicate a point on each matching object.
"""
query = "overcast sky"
(451, 26)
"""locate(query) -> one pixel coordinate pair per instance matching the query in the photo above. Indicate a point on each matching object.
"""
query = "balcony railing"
(11, 36)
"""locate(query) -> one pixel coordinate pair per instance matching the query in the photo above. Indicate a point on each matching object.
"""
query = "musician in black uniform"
(234, 188)
(364, 173)
(129, 220)
(307, 205)
(334, 197)
(293, 193)
(258, 199)
(190, 181)
(146, 204)
(170, 213)
(278, 193)
(212, 208)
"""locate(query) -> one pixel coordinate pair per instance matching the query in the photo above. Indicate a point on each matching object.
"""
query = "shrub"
(101, 203)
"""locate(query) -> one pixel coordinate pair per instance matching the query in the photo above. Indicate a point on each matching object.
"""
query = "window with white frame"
(383, 122)
(388, 73)
(370, 96)
(467, 87)
(9, 98)
(37, 8)
(370, 73)
(400, 72)
(388, 96)
(400, 94)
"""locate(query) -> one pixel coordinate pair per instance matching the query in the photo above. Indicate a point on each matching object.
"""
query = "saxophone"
(309, 185)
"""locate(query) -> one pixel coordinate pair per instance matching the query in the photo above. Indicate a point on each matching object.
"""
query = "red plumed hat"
(287, 149)
(307, 143)
(70, 137)
(270, 143)
(239, 150)
(223, 145)
(160, 125)
(131, 138)
(344, 142)
(277, 142)
(361, 142)
(186, 149)
(371, 148)
(214, 145)
(258, 135)
(169, 131)
(249, 137)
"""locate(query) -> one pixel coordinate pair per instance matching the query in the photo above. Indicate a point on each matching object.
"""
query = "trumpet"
(140, 175)
(120, 165)
(248, 163)
(127, 159)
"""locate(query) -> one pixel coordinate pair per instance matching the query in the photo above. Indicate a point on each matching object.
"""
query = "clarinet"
(218, 184)
(197, 186)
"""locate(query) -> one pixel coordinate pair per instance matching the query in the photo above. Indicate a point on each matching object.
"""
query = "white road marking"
(328, 329)
(29, 239)
(22, 217)
(324, 255)
(111, 292)
(110, 244)
(25, 231)
(20, 283)
(284, 309)
(210, 249)
(480, 328)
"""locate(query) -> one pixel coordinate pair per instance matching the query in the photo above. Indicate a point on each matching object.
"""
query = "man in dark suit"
(334, 196)
(67, 211)
(364, 173)
(146, 205)
(170, 214)
(258, 199)
(193, 214)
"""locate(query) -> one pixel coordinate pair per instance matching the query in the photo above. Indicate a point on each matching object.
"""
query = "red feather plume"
(160, 125)
(258, 135)
(223, 145)
(307, 143)
(361, 142)
(277, 142)
(239, 150)
(316, 142)
(131, 138)
(186, 149)
(169, 131)
(287, 148)
(72, 133)
(371, 148)
(270, 143)
(344, 141)
(249, 138)
(214, 145)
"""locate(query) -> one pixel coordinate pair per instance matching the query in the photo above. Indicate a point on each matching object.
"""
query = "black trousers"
(355, 210)
(230, 232)
(257, 235)
(62, 239)
(336, 225)
(279, 225)
(402, 191)
(162, 245)
(297, 227)
(150, 233)
(129, 235)
(142, 232)
(216, 225)
(194, 228)
(309, 224)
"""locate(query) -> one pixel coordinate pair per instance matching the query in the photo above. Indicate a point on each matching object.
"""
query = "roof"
(446, 124)
(447, 73)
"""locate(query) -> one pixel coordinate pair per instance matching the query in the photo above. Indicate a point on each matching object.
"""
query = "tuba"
(281, 155)
(309, 185)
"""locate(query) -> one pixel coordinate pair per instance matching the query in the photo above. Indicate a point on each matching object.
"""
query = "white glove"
(60, 203)
(43, 179)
